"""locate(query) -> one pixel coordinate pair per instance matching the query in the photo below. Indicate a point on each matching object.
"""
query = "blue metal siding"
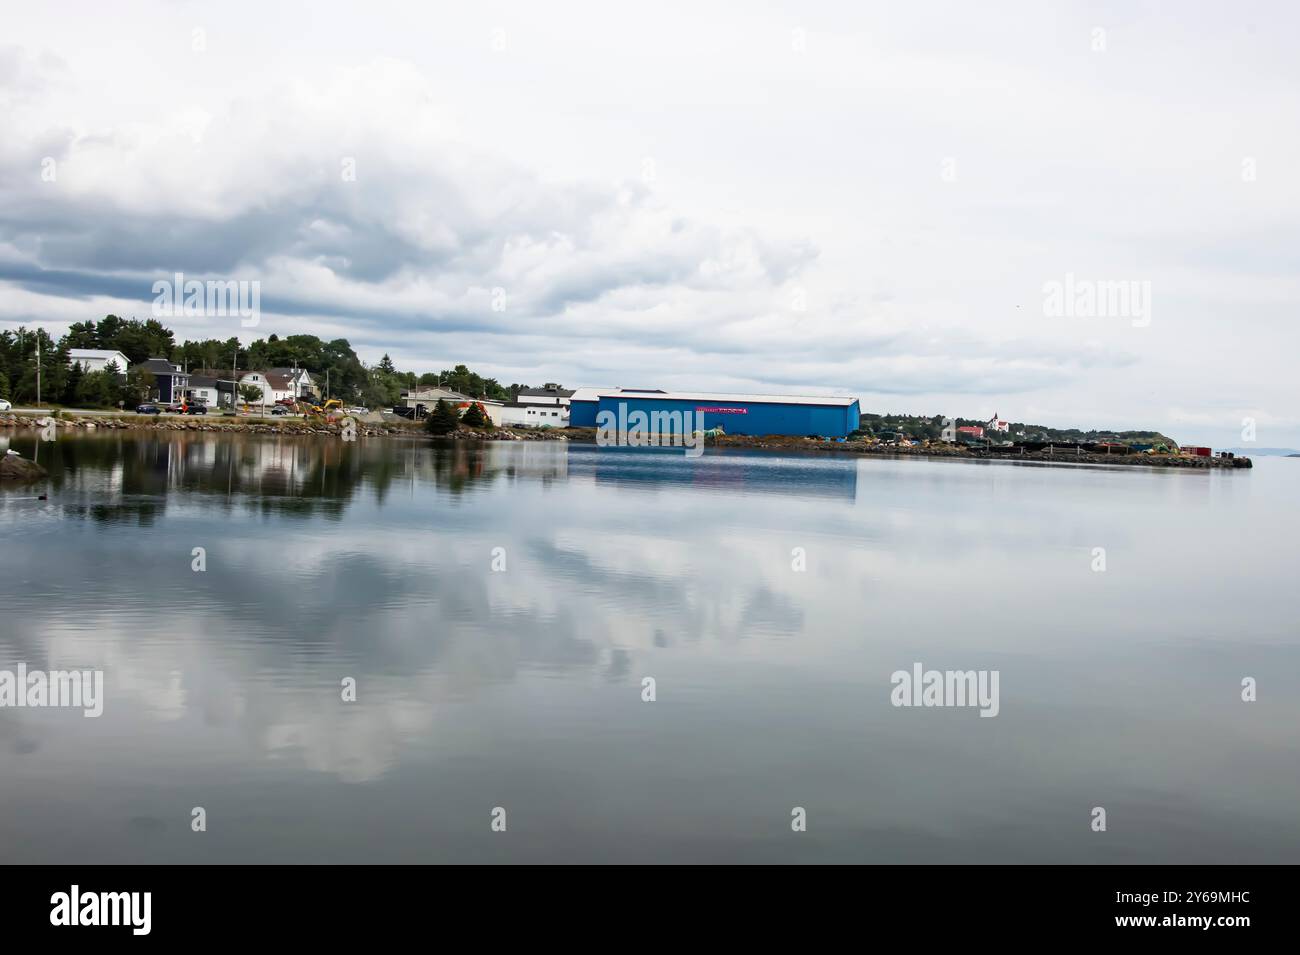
(582, 414)
(756, 418)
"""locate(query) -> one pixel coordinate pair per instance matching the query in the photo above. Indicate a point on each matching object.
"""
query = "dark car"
(196, 409)
(148, 409)
(279, 410)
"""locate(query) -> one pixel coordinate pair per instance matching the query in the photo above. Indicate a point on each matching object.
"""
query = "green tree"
(82, 335)
(20, 364)
(135, 339)
(139, 384)
(250, 393)
(382, 390)
(210, 353)
(95, 390)
(473, 416)
(116, 381)
(469, 383)
(444, 419)
(72, 384)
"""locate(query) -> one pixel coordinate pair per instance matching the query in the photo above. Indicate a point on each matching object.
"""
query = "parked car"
(148, 409)
(356, 410)
(5, 405)
(173, 408)
(280, 410)
(196, 409)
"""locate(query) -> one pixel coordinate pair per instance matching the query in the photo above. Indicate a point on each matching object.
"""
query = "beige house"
(425, 400)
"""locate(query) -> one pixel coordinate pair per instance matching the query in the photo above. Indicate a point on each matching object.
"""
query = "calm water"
(522, 688)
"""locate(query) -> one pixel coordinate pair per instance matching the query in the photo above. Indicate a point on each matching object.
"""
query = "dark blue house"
(170, 381)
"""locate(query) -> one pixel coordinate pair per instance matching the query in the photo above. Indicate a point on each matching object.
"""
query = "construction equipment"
(309, 410)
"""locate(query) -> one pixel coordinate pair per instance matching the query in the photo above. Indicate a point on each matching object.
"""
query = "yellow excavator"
(307, 409)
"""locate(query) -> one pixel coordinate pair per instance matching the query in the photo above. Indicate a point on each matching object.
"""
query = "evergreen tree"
(444, 419)
(94, 390)
(72, 385)
(473, 416)
(115, 383)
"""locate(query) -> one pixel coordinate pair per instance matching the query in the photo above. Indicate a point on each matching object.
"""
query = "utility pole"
(234, 376)
(38, 367)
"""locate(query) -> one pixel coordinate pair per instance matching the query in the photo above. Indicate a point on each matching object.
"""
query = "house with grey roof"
(169, 379)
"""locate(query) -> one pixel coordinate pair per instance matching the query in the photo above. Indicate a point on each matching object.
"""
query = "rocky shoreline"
(297, 427)
(223, 425)
(1057, 456)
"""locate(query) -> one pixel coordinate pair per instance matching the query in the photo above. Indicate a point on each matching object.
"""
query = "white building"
(273, 387)
(298, 379)
(546, 407)
(491, 408)
(519, 415)
(203, 389)
(95, 359)
(997, 424)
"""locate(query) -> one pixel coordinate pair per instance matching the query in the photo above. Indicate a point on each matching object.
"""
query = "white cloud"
(776, 173)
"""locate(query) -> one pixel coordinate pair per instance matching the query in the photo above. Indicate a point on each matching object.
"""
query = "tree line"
(931, 427)
(334, 364)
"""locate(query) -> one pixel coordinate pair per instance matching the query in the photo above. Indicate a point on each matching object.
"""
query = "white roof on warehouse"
(593, 394)
(102, 353)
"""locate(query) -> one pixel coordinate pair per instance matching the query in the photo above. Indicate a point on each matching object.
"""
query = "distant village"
(302, 374)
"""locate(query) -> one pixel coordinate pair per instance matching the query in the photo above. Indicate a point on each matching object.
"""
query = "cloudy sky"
(802, 197)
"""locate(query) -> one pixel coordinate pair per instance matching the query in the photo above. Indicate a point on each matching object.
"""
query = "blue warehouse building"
(736, 414)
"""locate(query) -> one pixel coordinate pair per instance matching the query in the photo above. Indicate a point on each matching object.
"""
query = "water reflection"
(811, 475)
(499, 607)
(131, 475)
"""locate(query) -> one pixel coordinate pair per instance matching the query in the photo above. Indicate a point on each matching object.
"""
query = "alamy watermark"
(921, 687)
(215, 298)
(1085, 298)
(683, 428)
(128, 909)
(83, 689)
